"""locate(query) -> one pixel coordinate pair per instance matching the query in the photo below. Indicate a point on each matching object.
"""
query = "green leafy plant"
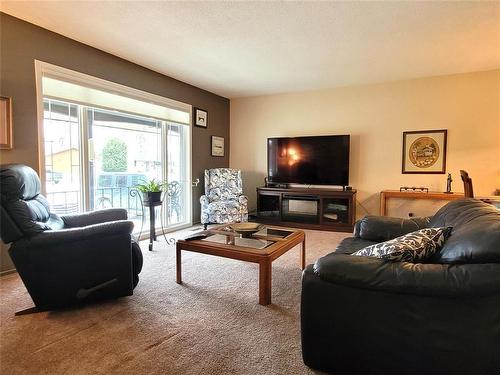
(151, 186)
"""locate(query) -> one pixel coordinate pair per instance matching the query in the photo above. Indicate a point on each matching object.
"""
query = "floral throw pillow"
(413, 247)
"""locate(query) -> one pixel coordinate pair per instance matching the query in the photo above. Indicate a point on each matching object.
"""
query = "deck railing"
(67, 202)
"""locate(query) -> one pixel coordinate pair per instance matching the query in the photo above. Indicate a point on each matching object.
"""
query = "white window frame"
(54, 71)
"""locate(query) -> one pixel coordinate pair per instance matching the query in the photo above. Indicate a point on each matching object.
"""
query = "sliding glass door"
(177, 173)
(63, 154)
(95, 158)
(124, 150)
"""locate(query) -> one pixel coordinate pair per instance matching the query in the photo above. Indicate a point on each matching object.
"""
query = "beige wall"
(468, 105)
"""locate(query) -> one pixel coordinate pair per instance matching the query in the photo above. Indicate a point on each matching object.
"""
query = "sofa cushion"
(447, 280)
(383, 228)
(476, 232)
(350, 245)
(413, 247)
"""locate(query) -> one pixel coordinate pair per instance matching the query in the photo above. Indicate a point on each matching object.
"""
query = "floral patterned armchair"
(223, 201)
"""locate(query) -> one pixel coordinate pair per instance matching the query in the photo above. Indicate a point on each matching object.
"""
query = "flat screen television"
(320, 160)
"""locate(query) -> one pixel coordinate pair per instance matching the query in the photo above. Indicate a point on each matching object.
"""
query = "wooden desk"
(437, 199)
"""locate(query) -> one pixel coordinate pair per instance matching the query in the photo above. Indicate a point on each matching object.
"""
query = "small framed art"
(424, 151)
(6, 123)
(217, 146)
(200, 118)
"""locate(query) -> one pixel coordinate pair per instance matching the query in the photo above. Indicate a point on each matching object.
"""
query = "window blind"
(59, 89)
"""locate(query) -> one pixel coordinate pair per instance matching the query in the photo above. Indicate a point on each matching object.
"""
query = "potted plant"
(151, 190)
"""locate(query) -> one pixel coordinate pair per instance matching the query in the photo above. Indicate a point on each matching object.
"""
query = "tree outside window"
(114, 156)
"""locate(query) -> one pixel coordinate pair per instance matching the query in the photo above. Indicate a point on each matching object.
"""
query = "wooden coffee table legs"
(303, 254)
(265, 285)
(265, 275)
(265, 271)
(178, 263)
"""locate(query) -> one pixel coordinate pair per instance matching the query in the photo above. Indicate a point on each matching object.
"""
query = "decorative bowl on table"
(246, 229)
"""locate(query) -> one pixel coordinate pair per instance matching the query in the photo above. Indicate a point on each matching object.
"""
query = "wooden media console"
(310, 208)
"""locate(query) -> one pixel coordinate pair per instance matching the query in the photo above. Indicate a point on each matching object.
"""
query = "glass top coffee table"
(262, 247)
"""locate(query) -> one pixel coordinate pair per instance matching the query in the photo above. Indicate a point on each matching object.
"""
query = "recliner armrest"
(447, 280)
(96, 231)
(94, 217)
(383, 228)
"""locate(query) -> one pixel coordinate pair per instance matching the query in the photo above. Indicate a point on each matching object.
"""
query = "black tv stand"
(310, 208)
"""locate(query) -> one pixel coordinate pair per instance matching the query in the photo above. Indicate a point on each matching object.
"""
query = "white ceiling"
(254, 48)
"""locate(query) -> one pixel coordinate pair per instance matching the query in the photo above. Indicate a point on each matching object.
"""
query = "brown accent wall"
(21, 43)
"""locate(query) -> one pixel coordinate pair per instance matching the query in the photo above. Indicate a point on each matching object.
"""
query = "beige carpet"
(212, 324)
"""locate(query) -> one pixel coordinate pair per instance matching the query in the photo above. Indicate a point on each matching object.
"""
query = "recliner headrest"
(18, 181)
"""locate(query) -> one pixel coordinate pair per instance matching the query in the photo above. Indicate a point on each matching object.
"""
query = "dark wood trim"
(445, 141)
(306, 191)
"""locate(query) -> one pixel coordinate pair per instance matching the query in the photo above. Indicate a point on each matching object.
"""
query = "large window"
(95, 155)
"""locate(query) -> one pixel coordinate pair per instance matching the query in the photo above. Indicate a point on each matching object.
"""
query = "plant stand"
(152, 217)
(152, 224)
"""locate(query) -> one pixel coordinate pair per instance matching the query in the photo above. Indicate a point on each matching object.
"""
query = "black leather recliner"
(68, 259)
(362, 315)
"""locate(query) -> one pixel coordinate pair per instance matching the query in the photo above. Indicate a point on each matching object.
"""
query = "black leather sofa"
(65, 260)
(363, 315)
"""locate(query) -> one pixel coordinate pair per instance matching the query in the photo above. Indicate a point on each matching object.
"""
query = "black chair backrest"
(475, 235)
(468, 192)
(24, 211)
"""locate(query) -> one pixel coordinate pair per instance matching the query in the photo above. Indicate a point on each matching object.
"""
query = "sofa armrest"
(66, 236)
(447, 280)
(94, 217)
(383, 228)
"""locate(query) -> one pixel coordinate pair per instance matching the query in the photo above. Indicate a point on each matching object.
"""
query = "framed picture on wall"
(424, 151)
(217, 146)
(5, 123)
(200, 118)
